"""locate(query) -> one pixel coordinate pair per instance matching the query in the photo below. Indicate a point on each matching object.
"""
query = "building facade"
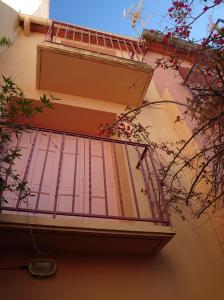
(109, 239)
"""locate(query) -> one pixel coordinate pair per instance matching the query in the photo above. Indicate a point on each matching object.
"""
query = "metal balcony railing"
(75, 175)
(95, 41)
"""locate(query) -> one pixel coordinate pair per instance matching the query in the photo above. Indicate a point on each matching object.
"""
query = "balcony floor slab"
(83, 235)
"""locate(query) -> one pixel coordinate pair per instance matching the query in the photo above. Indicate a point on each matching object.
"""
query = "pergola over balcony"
(92, 185)
(93, 64)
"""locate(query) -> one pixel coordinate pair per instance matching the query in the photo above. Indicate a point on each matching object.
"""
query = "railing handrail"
(93, 137)
(116, 36)
(58, 32)
(97, 216)
(156, 202)
(145, 152)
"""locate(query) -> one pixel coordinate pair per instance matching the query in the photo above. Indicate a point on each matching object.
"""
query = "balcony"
(92, 64)
(89, 194)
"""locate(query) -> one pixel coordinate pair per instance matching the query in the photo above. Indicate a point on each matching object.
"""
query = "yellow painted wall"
(19, 61)
(8, 23)
(190, 267)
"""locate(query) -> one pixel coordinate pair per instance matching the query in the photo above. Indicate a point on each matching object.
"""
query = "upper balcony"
(88, 194)
(93, 64)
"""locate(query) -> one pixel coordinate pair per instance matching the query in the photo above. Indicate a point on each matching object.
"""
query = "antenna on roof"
(135, 16)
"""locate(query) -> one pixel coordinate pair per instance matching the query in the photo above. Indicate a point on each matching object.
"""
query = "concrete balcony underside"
(79, 235)
(89, 74)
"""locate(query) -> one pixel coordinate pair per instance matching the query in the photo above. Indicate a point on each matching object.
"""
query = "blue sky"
(107, 15)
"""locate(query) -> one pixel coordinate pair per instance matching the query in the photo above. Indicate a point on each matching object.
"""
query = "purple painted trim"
(90, 178)
(142, 157)
(160, 189)
(146, 184)
(92, 137)
(59, 174)
(104, 178)
(132, 182)
(153, 187)
(63, 213)
(75, 173)
(118, 180)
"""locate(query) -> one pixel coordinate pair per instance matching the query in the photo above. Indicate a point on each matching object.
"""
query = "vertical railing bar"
(160, 188)
(43, 170)
(84, 176)
(132, 182)
(104, 178)
(28, 163)
(90, 178)
(56, 36)
(153, 188)
(135, 52)
(112, 42)
(89, 37)
(120, 48)
(115, 46)
(75, 173)
(47, 37)
(9, 168)
(52, 31)
(127, 48)
(158, 181)
(59, 174)
(142, 157)
(108, 42)
(50, 34)
(144, 53)
(141, 52)
(66, 30)
(81, 37)
(73, 37)
(97, 42)
(146, 185)
(118, 180)
(104, 41)
(139, 48)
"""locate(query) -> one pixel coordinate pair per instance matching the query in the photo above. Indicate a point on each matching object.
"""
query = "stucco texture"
(190, 267)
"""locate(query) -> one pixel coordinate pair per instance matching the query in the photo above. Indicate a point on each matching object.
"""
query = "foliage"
(205, 109)
(5, 42)
(15, 112)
